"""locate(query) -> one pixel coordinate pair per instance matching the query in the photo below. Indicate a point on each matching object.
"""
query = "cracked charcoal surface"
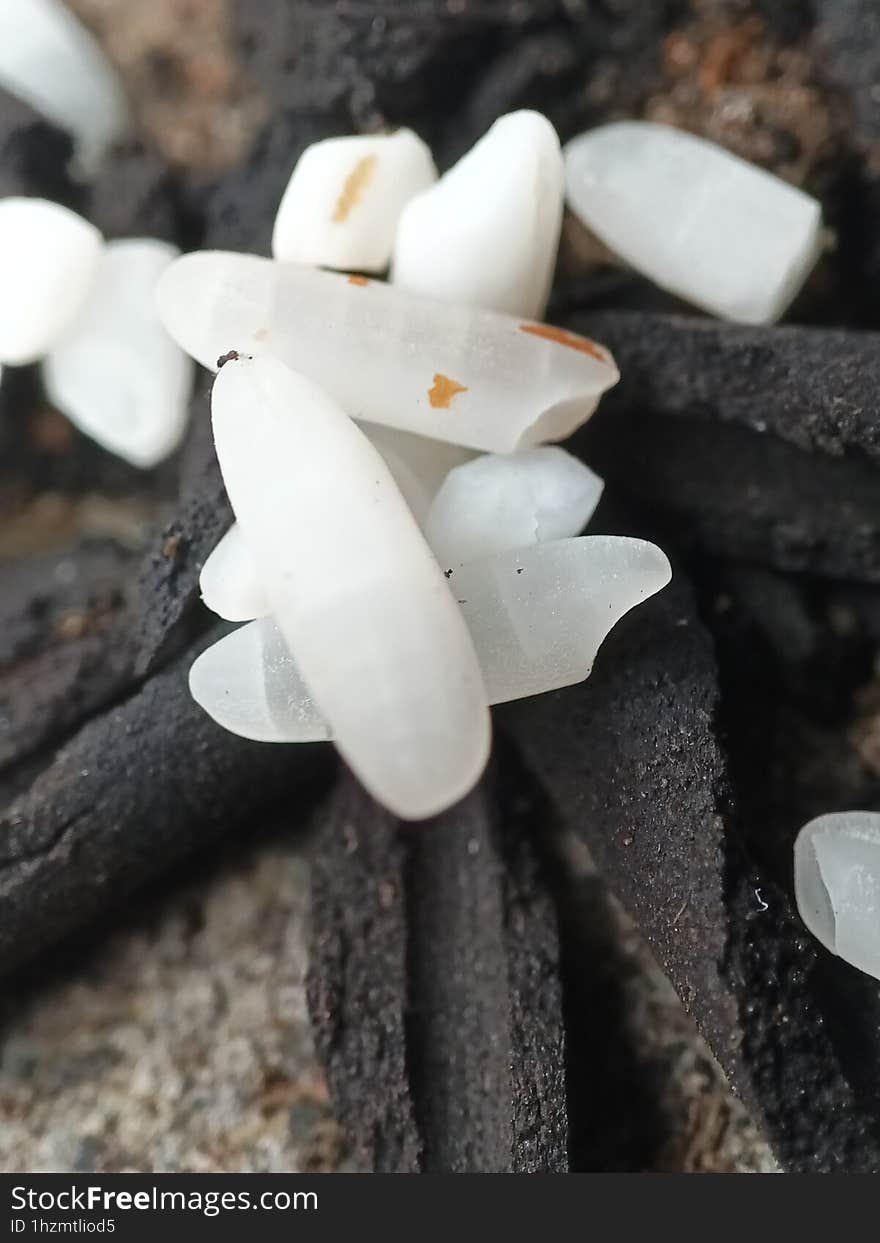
(815, 388)
(633, 765)
(800, 659)
(134, 791)
(33, 155)
(58, 661)
(434, 984)
(75, 653)
(73, 646)
(486, 1039)
(758, 445)
(357, 986)
(170, 613)
(689, 483)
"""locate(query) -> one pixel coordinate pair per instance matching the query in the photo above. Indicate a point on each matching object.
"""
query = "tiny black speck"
(447, 573)
(232, 356)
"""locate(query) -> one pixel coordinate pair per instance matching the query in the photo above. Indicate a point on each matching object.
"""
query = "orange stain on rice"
(443, 391)
(358, 280)
(355, 185)
(569, 339)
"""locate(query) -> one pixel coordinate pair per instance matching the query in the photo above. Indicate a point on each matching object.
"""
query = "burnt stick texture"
(759, 444)
(63, 655)
(169, 613)
(816, 388)
(34, 155)
(358, 993)
(137, 790)
(435, 986)
(83, 627)
(633, 766)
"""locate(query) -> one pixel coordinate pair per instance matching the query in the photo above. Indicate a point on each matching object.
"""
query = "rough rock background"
(179, 1042)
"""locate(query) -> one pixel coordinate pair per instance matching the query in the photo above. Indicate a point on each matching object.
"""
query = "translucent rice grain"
(501, 501)
(538, 615)
(698, 221)
(471, 377)
(537, 618)
(52, 62)
(353, 588)
(487, 233)
(49, 262)
(249, 684)
(228, 580)
(117, 374)
(418, 463)
(229, 583)
(344, 199)
(837, 885)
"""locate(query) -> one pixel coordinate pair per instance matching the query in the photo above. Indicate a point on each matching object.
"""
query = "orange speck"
(443, 391)
(570, 339)
(358, 280)
(355, 184)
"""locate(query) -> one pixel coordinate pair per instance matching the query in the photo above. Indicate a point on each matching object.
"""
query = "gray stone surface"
(181, 1044)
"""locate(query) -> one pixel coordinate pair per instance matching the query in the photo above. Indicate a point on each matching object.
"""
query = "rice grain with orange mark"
(443, 391)
(569, 339)
(355, 184)
(358, 280)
